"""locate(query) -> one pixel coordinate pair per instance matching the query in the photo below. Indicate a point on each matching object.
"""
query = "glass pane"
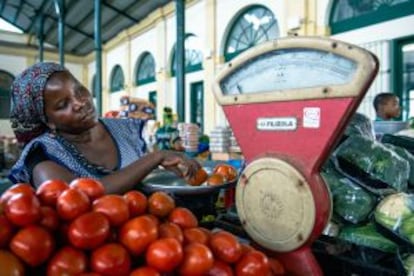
(253, 27)
(6, 80)
(193, 54)
(146, 69)
(346, 9)
(408, 75)
(117, 81)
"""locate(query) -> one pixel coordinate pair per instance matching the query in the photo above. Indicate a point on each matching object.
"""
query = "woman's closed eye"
(61, 105)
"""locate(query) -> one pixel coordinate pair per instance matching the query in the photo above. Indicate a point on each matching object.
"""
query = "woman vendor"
(53, 116)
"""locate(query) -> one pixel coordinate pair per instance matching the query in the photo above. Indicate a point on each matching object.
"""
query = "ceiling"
(117, 15)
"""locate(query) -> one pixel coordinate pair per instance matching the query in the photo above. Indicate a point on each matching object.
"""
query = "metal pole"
(180, 59)
(98, 56)
(60, 11)
(41, 37)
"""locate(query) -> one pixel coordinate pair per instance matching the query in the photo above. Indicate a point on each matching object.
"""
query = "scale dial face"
(293, 68)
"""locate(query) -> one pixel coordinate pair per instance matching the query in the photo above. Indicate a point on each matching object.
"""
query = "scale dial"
(293, 69)
(289, 69)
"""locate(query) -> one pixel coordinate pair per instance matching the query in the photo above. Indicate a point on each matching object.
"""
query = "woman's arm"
(126, 178)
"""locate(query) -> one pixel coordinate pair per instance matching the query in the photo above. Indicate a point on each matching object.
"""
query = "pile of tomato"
(76, 229)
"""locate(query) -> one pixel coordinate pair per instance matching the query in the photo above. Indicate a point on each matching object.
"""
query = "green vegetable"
(405, 154)
(360, 125)
(375, 160)
(408, 263)
(407, 228)
(367, 236)
(350, 201)
(393, 209)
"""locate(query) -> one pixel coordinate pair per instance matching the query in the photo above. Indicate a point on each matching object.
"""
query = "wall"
(377, 39)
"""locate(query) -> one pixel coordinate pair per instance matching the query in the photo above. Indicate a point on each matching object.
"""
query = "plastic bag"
(371, 160)
(405, 154)
(367, 236)
(360, 125)
(350, 201)
(395, 213)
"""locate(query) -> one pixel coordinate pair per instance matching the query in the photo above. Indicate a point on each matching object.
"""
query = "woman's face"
(68, 104)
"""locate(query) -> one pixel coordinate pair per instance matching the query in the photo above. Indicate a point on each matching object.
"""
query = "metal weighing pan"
(163, 180)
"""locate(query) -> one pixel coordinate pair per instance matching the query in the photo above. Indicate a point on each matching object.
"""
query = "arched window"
(145, 72)
(193, 55)
(348, 15)
(6, 80)
(253, 26)
(117, 79)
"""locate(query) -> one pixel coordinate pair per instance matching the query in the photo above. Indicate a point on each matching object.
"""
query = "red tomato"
(6, 231)
(22, 209)
(145, 271)
(49, 218)
(276, 267)
(137, 233)
(164, 254)
(246, 248)
(137, 203)
(10, 264)
(67, 261)
(50, 190)
(220, 268)
(199, 178)
(93, 188)
(33, 244)
(89, 231)
(225, 246)
(198, 259)
(20, 188)
(253, 263)
(155, 219)
(114, 207)
(171, 230)
(111, 259)
(229, 172)
(196, 234)
(183, 217)
(160, 204)
(72, 203)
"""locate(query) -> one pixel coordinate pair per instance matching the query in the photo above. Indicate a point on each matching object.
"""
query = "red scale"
(288, 102)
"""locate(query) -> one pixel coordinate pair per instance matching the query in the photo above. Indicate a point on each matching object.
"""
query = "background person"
(53, 116)
(387, 107)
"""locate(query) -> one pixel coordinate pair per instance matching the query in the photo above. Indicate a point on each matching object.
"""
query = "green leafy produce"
(360, 125)
(408, 263)
(407, 228)
(350, 202)
(405, 154)
(393, 209)
(367, 236)
(375, 160)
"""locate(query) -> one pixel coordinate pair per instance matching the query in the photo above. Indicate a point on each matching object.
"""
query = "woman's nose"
(79, 102)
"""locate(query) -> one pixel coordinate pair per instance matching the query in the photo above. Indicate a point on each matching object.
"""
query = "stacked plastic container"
(190, 134)
(220, 139)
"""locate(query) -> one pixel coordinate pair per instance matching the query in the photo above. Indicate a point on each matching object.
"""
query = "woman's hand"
(179, 163)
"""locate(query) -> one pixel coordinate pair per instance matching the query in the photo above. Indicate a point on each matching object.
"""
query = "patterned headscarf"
(27, 114)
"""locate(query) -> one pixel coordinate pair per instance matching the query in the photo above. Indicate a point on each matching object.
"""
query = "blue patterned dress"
(126, 133)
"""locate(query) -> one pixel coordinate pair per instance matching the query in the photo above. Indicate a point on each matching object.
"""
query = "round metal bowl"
(163, 180)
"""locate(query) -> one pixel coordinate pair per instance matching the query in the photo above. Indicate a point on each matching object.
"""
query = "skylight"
(6, 26)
